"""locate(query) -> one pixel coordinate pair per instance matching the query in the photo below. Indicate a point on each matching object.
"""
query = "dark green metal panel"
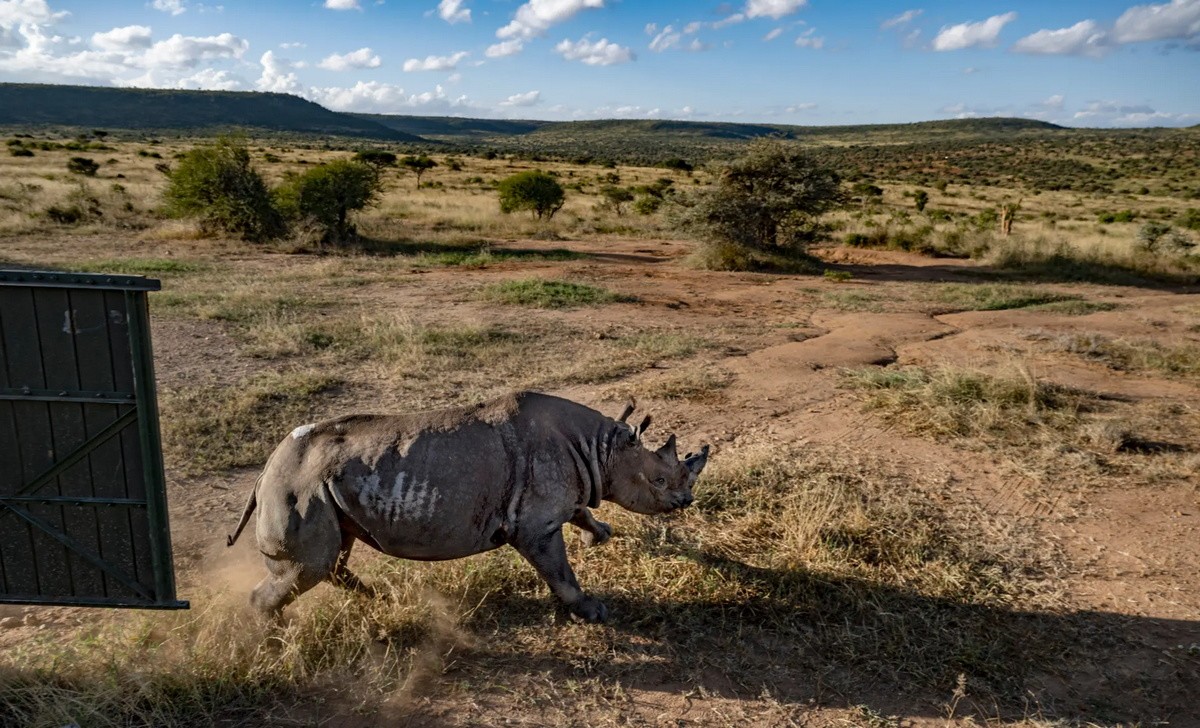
(83, 510)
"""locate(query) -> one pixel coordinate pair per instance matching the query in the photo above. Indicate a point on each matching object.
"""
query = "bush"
(216, 184)
(82, 165)
(769, 200)
(1191, 219)
(533, 190)
(920, 200)
(327, 194)
(647, 204)
(616, 197)
(20, 152)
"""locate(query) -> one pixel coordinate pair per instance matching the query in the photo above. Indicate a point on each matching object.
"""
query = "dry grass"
(1172, 360)
(790, 562)
(951, 402)
(215, 428)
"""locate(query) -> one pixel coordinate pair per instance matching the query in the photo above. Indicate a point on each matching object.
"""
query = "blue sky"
(1097, 63)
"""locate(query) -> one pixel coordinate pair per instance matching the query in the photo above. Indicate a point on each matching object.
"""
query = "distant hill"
(453, 126)
(449, 127)
(159, 109)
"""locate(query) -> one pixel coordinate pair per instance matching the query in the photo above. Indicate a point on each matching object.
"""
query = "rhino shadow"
(847, 642)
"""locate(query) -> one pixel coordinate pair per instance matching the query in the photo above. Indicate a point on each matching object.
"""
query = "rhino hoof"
(599, 536)
(590, 610)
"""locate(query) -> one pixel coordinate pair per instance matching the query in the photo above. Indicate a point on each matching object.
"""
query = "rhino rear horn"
(641, 429)
(668, 449)
(627, 411)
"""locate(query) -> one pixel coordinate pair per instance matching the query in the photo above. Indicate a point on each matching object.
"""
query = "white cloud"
(731, 20)
(774, 9)
(1178, 19)
(174, 7)
(209, 79)
(668, 38)
(651, 28)
(693, 27)
(970, 71)
(361, 58)
(594, 53)
(384, 98)
(1084, 38)
(27, 12)
(287, 46)
(277, 75)
(1115, 113)
(808, 39)
(452, 11)
(435, 63)
(795, 108)
(122, 40)
(535, 17)
(505, 48)
(902, 19)
(529, 98)
(1054, 103)
(970, 35)
(342, 5)
(773, 34)
(180, 51)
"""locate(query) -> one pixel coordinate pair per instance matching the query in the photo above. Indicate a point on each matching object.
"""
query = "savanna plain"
(954, 471)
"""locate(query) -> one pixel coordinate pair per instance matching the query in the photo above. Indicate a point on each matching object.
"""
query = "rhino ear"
(696, 463)
(668, 449)
(641, 429)
(628, 410)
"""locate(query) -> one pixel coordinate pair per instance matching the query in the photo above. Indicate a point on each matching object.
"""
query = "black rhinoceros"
(451, 483)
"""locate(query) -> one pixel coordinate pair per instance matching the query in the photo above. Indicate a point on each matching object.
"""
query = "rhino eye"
(660, 481)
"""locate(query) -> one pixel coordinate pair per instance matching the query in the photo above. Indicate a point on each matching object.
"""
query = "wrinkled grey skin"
(448, 484)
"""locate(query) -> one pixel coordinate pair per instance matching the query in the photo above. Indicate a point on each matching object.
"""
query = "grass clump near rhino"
(541, 293)
(791, 560)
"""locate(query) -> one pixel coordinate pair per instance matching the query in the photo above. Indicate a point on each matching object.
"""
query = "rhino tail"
(251, 503)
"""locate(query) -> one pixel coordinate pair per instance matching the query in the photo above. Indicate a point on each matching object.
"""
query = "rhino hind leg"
(548, 555)
(342, 576)
(300, 552)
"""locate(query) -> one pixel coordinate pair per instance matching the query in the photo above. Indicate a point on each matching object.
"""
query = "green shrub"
(82, 165)
(216, 184)
(647, 204)
(920, 200)
(1106, 218)
(328, 193)
(615, 197)
(769, 200)
(20, 152)
(533, 190)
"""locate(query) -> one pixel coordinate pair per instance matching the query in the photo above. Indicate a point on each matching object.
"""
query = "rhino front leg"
(548, 554)
(594, 532)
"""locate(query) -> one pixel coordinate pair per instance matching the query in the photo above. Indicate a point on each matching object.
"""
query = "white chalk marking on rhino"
(368, 487)
(301, 431)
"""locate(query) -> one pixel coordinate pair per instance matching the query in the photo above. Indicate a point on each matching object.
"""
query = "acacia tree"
(770, 200)
(377, 158)
(419, 165)
(532, 190)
